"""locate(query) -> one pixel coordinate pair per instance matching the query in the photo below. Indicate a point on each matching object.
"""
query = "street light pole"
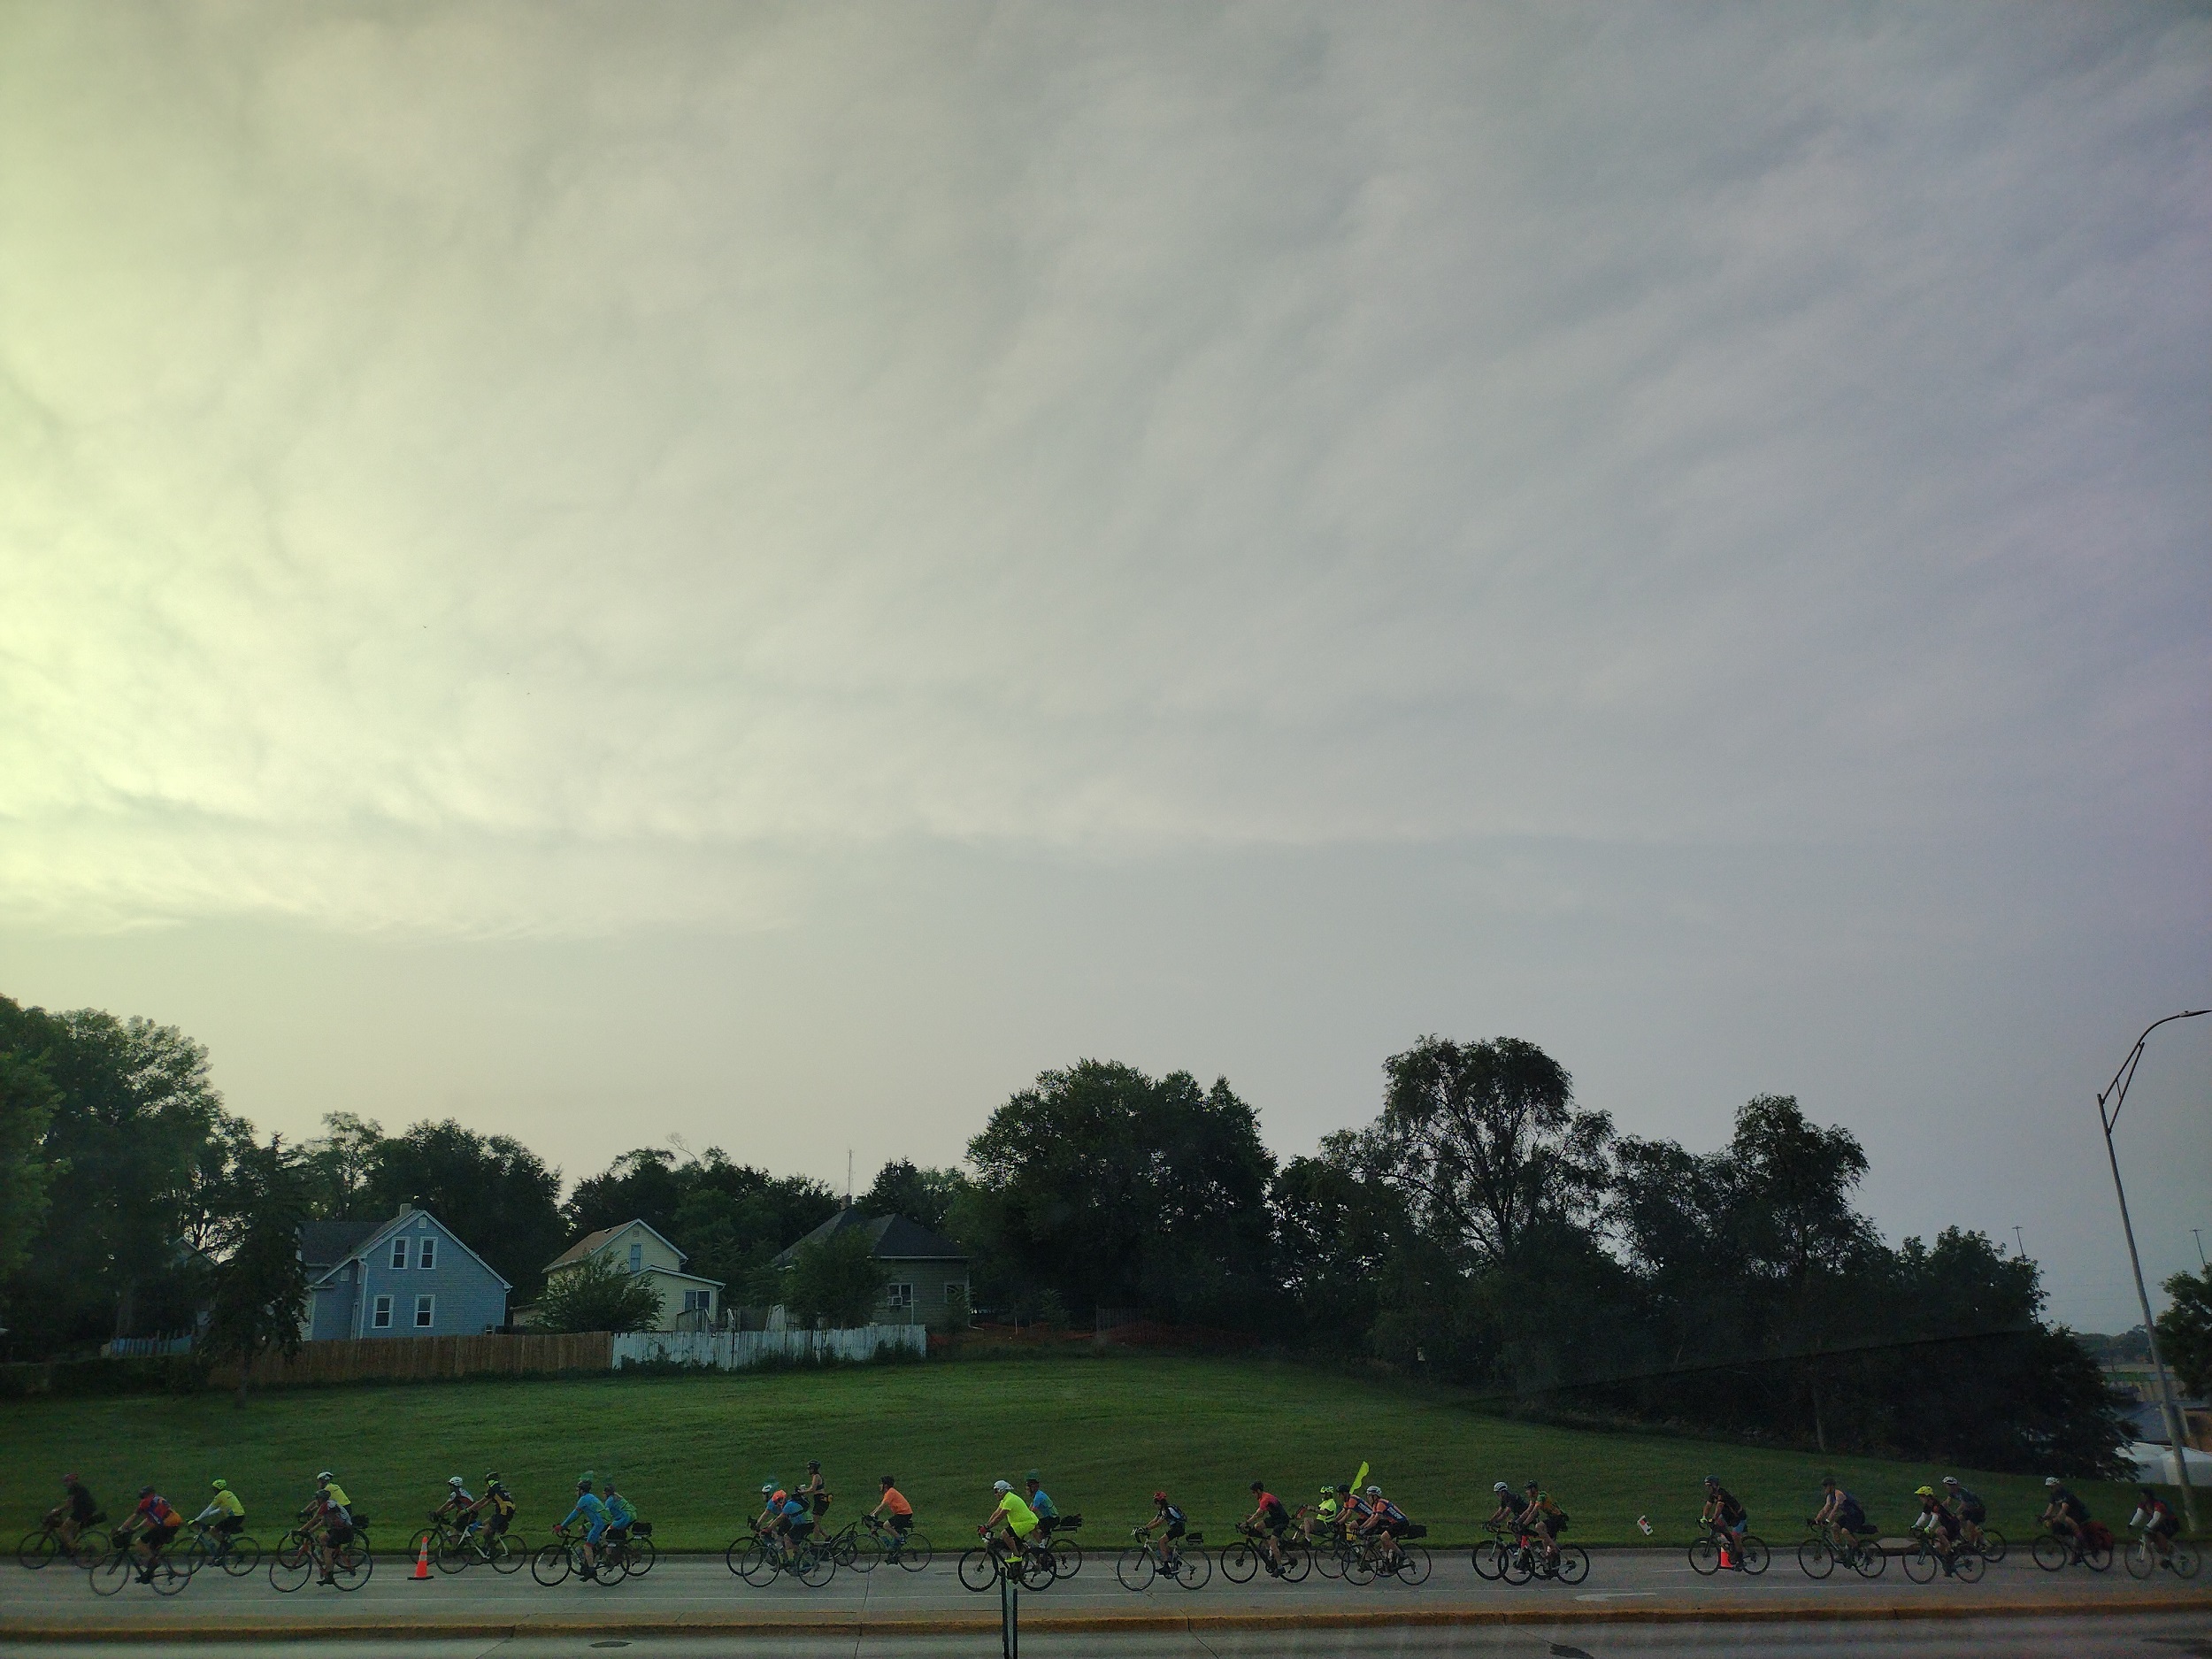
(2116, 1092)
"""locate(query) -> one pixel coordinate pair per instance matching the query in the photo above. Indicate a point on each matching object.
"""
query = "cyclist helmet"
(1033, 1475)
(1827, 1481)
(1259, 1485)
(583, 1486)
(1712, 1480)
(1500, 1487)
(69, 1480)
(1000, 1485)
(2050, 1480)
(219, 1485)
(813, 1464)
(1328, 1492)
(1374, 1492)
(1159, 1497)
(889, 1480)
(326, 1475)
(454, 1481)
(491, 1477)
(145, 1492)
(1923, 1492)
(781, 1495)
(767, 1487)
(1950, 1480)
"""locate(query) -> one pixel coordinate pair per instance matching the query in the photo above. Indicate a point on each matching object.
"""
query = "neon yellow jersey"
(226, 1501)
(1020, 1518)
(1326, 1508)
(336, 1494)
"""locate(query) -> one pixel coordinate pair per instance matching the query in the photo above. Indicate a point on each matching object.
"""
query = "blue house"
(409, 1276)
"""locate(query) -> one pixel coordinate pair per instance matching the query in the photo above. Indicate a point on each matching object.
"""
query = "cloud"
(497, 468)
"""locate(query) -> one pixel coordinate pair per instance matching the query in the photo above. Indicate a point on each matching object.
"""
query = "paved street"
(701, 1594)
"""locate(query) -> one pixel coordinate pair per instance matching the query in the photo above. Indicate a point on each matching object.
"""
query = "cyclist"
(1319, 1517)
(1041, 1506)
(73, 1513)
(1168, 1522)
(1725, 1513)
(1968, 1506)
(768, 1525)
(1269, 1521)
(893, 1507)
(1936, 1524)
(592, 1512)
(1544, 1520)
(1839, 1515)
(2067, 1516)
(1012, 1523)
(329, 1515)
(1387, 1521)
(2161, 1525)
(1511, 1508)
(225, 1515)
(621, 1517)
(495, 1512)
(458, 1507)
(815, 1492)
(151, 1527)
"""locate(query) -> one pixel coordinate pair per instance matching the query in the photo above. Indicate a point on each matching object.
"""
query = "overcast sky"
(766, 572)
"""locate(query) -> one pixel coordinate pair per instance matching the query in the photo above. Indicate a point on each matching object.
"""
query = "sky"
(763, 574)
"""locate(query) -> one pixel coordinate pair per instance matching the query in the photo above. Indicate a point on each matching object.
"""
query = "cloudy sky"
(764, 573)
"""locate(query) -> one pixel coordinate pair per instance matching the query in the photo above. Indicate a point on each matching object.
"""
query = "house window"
(898, 1295)
(698, 1300)
(399, 1252)
(426, 1253)
(382, 1319)
(426, 1311)
(637, 1257)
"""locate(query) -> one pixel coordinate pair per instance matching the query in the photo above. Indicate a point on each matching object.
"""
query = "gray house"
(409, 1276)
(928, 1282)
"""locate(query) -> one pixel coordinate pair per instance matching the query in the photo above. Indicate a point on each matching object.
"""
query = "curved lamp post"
(2116, 1092)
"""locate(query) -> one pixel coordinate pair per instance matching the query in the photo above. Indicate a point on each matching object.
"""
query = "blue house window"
(637, 1257)
(425, 1312)
(382, 1319)
(399, 1252)
(427, 1255)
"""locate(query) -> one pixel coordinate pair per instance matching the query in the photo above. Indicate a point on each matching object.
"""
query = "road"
(865, 1612)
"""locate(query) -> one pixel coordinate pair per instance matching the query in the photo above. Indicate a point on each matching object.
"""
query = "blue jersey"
(1043, 1507)
(589, 1509)
(618, 1511)
(792, 1509)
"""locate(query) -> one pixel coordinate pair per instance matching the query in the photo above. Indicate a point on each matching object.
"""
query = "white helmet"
(1000, 1485)
(1500, 1487)
(454, 1481)
(1374, 1492)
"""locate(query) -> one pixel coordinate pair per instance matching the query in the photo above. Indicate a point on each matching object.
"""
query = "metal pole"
(1010, 1619)
(2198, 1235)
(2175, 1433)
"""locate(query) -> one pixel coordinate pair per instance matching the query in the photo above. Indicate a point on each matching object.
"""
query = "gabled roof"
(890, 1239)
(379, 1230)
(592, 1243)
(323, 1243)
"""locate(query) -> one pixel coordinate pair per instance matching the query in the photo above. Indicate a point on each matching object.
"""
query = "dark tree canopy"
(925, 1195)
(835, 1280)
(259, 1287)
(493, 1191)
(728, 1219)
(2185, 1330)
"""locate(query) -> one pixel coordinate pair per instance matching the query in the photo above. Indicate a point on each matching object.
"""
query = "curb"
(1091, 1624)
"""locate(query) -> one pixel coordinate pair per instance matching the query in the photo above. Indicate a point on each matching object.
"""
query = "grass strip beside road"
(692, 1451)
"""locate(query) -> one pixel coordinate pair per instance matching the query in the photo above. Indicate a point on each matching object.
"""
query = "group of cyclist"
(790, 1518)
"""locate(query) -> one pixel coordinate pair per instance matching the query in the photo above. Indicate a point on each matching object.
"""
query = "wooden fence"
(741, 1350)
(423, 1358)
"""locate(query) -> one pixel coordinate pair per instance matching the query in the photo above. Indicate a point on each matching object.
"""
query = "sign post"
(1009, 1614)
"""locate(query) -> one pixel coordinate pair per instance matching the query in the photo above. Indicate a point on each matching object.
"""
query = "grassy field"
(692, 1451)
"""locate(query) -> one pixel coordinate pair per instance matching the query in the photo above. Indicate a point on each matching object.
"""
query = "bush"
(597, 1296)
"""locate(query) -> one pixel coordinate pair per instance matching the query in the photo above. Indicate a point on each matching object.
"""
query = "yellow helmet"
(1924, 1492)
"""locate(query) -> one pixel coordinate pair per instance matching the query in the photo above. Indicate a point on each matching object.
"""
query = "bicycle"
(632, 1550)
(43, 1544)
(988, 1562)
(294, 1560)
(1188, 1565)
(757, 1560)
(2180, 1557)
(164, 1575)
(1819, 1555)
(556, 1560)
(237, 1554)
(1067, 1553)
(2092, 1549)
(1921, 1560)
(1243, 1559)
(1528, 1559)
(1717, 1549)
(459, 1546)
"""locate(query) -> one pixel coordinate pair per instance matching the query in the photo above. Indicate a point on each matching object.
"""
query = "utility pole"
(2198, 1235)
(2022, 1242)
(2116, 1092)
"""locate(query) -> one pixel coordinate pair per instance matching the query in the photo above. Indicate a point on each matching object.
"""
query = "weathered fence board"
(423, 1358)
(737, 1350)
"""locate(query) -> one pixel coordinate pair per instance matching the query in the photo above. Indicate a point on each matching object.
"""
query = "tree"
(924, 1195)
(1484, 1142)
(340, 1166)
(597, 1296)
(836, 1280)
(261, 1286)
(728, 1219)
(27, 1106)
(2185, 1330)
(492, 1190)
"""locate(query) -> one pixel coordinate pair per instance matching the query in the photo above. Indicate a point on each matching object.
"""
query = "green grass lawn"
(692, 1451)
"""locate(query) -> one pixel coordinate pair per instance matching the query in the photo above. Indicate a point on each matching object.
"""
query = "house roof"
(890, 1239)
(377, 1231)
(326, 1243)
(591, 1243)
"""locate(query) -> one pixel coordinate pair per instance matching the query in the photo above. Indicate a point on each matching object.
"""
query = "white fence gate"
(739, 1350)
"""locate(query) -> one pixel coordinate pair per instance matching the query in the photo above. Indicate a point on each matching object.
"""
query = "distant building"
(409, 1276)
(928, 1283)
(688, 1303)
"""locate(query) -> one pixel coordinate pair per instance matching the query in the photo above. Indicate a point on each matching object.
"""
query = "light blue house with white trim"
(409, 1276)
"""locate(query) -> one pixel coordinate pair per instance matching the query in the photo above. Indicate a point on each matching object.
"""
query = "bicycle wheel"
(1194, 1569)
(1574, 1563)
(1297, 1562)
(2185, 1561)
(1755, 1554)
(1920, 1563)
(1705, 1557)
(291, 1565)
(814, 1568)
(2140, 1563)
(757, 1563)
(2050, 1551)
(1515, 1563)
(351, 1567)
(450, 1553)
(242, 1556)
(92, 1549)
(37, 1548)
(1488, 1558)
(914, 1554)
(113, 1573)
(1817, 1560)
(166, 1576)
(1135, 1568)
(1038, 1568)
(1067, 1558)
(2097, 1557)
(1239, 1562)
(1329, 1557)
(1993, 1544)
(507, 1552)
(1868, 1560)
(1359, 1567)
(641, 1558)
(1967, 1566)
(978, 1569)
(550, 1565)
(1413, 1564)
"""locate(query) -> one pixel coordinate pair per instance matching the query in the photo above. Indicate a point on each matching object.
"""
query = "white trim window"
(698, 1302)
(381, 1314)
(425, 1312)
(637, 1258)
(900, 1294)
(399, 1253)
(427, 1252)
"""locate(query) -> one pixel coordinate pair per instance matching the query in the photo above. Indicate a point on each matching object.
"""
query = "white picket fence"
(738, 1350)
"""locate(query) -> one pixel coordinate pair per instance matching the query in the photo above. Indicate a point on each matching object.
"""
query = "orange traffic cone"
(421, 1574)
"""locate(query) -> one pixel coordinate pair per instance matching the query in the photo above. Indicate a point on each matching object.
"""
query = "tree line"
(1484, 1229)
